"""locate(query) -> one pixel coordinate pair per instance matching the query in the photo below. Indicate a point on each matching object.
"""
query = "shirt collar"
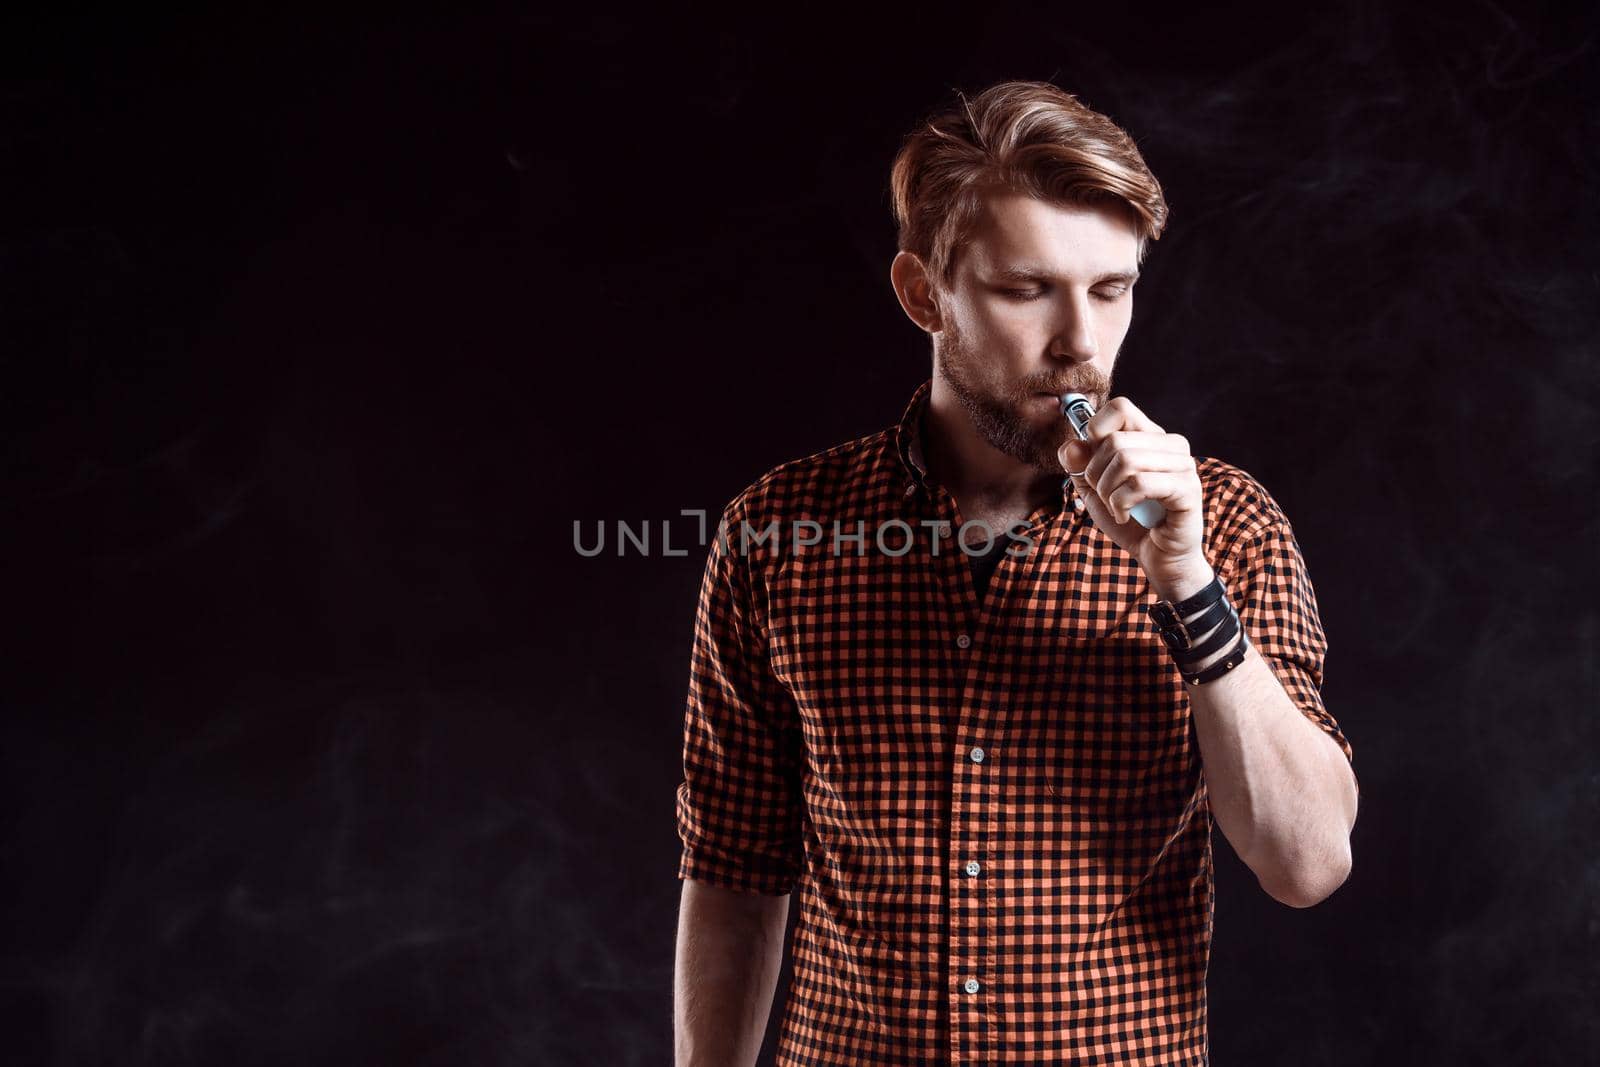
(908, 436)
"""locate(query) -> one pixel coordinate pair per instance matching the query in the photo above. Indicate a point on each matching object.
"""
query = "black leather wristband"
(1222, 666)
(1222, 638)
(1177, 635)
(1216, 613)
(1203, 599)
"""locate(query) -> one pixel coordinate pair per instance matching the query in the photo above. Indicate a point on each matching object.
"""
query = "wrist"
(1182, 583)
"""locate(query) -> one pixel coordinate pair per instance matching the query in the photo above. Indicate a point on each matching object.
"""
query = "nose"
(1074, 338)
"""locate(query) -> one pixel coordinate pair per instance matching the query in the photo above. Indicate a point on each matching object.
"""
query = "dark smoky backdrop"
(329, 339)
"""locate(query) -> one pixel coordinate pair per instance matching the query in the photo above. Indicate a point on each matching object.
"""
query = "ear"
(909, 276)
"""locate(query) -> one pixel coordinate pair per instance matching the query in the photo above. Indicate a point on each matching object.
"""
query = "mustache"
(1090, 388)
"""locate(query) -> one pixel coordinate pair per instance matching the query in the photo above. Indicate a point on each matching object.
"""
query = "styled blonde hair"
(1019, 136)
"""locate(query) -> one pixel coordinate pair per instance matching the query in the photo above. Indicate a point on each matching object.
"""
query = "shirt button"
(963, 641)
(972, 867)
(911, 489)
(971, 985)
(977, 755)
(1077, 503)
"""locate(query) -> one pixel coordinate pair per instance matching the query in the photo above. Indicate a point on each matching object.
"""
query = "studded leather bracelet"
(1183, 638)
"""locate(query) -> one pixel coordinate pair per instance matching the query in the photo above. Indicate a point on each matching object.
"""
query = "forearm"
(1280, 788)
(729, 955)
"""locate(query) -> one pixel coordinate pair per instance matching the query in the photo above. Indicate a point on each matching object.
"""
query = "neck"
(970, 467)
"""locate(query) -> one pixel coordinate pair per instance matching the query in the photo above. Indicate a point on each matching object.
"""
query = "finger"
(1128, 464)
(1120, 414)
(1074, 462)
(1177, 491)
(1166, 442)
(1123, 441)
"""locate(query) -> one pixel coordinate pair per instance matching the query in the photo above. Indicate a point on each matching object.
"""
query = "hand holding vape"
(1078, 410)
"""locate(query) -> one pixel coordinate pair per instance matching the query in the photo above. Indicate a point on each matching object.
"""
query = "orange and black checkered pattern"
(993, 808)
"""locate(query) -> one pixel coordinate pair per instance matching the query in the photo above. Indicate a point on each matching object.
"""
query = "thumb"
(1078, 456)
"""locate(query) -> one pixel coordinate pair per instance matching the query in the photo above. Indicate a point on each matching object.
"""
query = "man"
(992, 773)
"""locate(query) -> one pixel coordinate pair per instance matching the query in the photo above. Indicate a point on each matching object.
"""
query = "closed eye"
(1034, 294)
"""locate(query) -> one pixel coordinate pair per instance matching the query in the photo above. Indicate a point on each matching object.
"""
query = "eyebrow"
(1032, 274)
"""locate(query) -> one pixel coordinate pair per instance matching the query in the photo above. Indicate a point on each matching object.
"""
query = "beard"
(1000, 412)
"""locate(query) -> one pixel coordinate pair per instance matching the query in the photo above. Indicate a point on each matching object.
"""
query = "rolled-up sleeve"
(739, 804)
(1271, 589)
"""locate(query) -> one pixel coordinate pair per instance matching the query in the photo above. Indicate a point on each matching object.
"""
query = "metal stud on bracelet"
(1227, 663)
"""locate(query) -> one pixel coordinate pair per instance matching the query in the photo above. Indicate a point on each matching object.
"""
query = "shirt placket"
(974, 629)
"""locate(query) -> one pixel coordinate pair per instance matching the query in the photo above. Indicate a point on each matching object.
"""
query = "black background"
(324, 745)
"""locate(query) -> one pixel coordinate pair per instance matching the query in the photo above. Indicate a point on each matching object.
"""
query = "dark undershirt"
(983, 565)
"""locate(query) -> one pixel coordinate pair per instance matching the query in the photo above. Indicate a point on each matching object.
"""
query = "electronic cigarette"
(1078, 410)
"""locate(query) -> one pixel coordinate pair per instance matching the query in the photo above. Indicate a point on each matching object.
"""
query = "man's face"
(1041, 299)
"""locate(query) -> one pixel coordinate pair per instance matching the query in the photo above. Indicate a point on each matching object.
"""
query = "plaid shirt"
(994, 808)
